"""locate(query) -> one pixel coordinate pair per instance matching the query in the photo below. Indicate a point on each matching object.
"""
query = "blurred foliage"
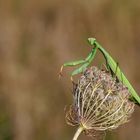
(36, 37)
(5, 125)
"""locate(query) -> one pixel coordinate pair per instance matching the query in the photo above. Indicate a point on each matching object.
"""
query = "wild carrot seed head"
(100, 102)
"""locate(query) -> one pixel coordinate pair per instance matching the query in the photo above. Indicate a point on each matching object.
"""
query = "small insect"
(110, 63)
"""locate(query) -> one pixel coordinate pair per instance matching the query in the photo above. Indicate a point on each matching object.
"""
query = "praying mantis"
(110, 63)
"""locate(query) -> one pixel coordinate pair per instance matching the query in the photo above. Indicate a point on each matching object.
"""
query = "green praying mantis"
(110, 63)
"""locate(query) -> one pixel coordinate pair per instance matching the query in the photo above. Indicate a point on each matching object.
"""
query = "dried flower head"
(100, 102)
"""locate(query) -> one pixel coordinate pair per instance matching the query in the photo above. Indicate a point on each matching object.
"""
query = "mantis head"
(91, 41)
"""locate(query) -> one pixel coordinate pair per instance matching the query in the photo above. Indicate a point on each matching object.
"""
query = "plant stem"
(79, 130)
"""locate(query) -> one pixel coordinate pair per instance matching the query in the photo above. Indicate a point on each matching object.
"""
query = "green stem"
(79, 130)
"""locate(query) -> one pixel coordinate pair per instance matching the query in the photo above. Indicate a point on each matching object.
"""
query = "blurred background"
(36, 38)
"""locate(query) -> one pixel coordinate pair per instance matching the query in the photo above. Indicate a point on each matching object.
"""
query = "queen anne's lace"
(100, 102)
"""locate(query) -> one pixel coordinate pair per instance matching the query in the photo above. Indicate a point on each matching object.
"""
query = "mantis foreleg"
(85, 63)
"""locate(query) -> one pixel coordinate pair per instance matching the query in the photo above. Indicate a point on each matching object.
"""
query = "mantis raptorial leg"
(84, 63)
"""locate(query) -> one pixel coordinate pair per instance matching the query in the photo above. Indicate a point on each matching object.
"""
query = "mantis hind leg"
(103, 66)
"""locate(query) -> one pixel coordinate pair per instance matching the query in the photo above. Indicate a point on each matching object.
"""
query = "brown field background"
(36, 38)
